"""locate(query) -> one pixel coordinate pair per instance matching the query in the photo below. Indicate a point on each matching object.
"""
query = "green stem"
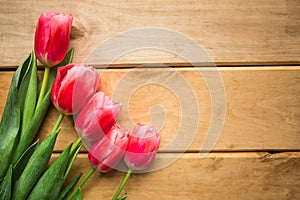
(84, 180)
(44, 86)
(58, 121)
(74, 146)
(122, 185)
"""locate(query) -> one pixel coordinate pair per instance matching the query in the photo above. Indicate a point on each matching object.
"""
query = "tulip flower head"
(74, 85)
(97, 117)
(52, 37)
(142, 147)
(107, 152)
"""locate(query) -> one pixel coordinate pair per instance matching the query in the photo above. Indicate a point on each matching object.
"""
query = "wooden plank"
(252, 32)
(262, 106)
(218, 176)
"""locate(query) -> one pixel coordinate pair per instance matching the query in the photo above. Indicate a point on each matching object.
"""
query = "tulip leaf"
(21, 164)
(11, 118)
(27, 102)
(78, 195)
(22, 70)
(34, 167)
(5, 187)
(24, 81)
(67, 190)
(30, 96)
(36, 121)
(10, 125)
(72, 157)
(123, 197)
(18, 109)
(34, 124)
(75, 148)
(50, 183)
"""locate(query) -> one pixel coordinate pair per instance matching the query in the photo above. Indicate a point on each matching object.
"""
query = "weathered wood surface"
(218, 176)
(262, 106)
(262, 102)
(231, 31)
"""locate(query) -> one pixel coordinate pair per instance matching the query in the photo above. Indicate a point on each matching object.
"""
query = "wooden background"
(256, 46)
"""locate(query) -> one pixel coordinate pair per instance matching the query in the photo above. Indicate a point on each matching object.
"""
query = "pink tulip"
(52, 37)
(74, 85)
(97, 117)
(108, 151)
(142, 147)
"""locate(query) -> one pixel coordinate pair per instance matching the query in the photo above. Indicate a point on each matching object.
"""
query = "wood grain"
(256, 42)
(232, 32)
(218, 176)
(262, 106)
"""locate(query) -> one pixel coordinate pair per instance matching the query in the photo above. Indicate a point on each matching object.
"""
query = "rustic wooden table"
(256, 47)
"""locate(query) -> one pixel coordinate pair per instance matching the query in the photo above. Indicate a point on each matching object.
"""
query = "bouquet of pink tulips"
(25, 172)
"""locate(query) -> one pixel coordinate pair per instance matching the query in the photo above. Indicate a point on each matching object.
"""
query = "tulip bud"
(73, 87)
(108, 151)
(142, 147)
(52, 37)
(97, 117)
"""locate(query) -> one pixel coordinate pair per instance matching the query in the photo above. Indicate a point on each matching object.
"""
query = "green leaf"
(27, 136)
(21, 164)
(32, 129)
(27, 101)
(9, 129)
(78, 195)
(24, 80)
(21, 97)
(21, 70)
(123, 197)
(49, 185)
(5, 187)
(72, 157)
(35, 167)
(30, 96)
(67, 190)
(11, 118)
(75, 148)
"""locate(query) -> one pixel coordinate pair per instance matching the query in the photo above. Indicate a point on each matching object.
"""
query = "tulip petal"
(73, 87)
(142, 147)
(59, 38)
(97, 117)
(42, 35)
(108, 151)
